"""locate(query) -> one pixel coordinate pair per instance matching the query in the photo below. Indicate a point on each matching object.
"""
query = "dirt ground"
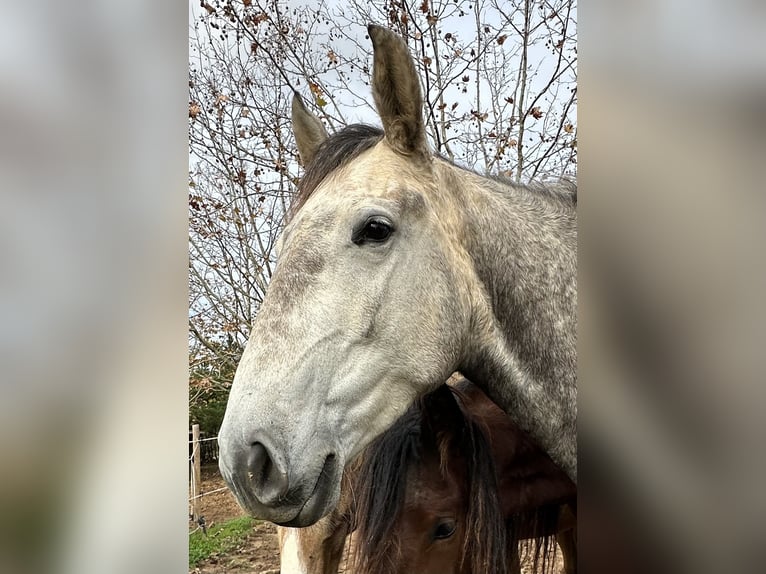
(258, 553)
(219, 506)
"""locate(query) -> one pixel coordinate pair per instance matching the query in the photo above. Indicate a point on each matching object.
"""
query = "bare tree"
(499, 78)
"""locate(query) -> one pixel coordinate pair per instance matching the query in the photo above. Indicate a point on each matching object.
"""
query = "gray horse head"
(378, 296)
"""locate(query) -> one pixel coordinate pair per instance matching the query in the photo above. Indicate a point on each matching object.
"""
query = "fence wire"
(193, 486)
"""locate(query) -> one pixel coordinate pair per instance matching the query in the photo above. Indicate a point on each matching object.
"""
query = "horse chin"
(323, 498)
(316, 508)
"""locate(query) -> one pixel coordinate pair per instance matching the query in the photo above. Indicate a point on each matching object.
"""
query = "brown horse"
(454, 488)
(396, 269)
(318, 549)
(451, 487)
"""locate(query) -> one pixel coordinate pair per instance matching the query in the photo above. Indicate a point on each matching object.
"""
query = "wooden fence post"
(196, 486)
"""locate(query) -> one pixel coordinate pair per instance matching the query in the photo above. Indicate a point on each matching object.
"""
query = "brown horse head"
(452, 487)
(427, 496)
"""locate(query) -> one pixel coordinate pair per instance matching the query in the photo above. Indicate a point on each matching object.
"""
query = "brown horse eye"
(373, 231)
(444, 529)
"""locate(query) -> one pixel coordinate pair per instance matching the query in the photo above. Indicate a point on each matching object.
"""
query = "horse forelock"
(335, 152)
(485, 547)
(381, 488)
(536, 529)
(463, 444)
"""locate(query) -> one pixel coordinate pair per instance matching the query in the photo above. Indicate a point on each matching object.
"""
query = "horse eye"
(374, 231)
(444, 529)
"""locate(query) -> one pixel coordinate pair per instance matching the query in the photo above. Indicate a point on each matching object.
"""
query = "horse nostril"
(269, 478)
(259, 463)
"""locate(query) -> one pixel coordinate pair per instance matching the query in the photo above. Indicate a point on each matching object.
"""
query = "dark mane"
(380, 491)
(336, 151)
(347, 144)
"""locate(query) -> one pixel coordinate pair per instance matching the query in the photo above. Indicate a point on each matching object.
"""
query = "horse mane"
(334, 152)
(381, 488)
(563, 190)
(348, 143)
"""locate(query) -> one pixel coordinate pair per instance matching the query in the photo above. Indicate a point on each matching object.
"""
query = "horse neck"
(522, 247)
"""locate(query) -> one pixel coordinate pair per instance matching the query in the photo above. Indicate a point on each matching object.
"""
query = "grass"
(219, 538)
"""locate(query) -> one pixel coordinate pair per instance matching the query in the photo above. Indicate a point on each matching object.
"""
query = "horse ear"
(396, 91)
(441, 414)
(309, 131)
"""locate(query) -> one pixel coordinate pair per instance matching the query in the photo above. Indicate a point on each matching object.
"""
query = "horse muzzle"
(289, 491)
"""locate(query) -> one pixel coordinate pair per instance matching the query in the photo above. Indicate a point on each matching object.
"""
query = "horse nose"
(268, 471)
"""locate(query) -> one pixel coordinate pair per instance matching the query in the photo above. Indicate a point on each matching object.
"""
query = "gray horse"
(396, 269)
